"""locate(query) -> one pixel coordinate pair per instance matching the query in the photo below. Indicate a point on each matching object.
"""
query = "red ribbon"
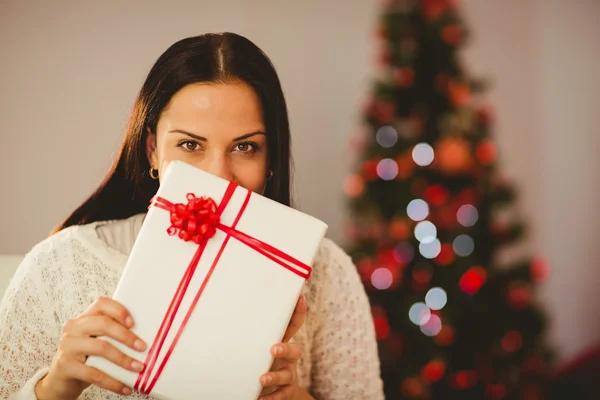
(197, 221)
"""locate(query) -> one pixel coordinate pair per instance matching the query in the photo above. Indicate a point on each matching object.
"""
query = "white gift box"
(246, 301)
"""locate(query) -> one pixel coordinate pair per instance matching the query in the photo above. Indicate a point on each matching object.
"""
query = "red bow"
(196, 221)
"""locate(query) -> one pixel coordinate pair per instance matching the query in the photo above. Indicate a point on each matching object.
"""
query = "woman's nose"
(219, 165)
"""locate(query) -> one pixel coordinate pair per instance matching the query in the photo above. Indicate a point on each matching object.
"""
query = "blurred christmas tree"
(432, 223)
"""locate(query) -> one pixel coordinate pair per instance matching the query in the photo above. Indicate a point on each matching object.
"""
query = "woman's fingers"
(75, 370)
(297, 319)
(287, 351)
(102, 325)
(110, 308)
(87, 346)
(278, 378)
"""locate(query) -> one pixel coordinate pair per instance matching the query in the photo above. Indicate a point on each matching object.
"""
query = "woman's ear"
(151, 148)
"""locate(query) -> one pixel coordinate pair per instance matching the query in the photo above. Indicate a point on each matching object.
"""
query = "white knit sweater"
(60, 277)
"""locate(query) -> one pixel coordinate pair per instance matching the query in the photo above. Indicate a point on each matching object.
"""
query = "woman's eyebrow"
(203, 139)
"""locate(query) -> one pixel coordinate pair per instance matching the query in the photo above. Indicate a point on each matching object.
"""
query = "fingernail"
(139, 345)
(129, 322)
(136, 365)
(266, 379)
(126, 391)
(278, 350)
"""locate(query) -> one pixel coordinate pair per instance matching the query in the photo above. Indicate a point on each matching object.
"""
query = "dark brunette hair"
(218, 58)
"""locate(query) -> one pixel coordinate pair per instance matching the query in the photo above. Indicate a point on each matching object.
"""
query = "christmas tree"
(432, 222)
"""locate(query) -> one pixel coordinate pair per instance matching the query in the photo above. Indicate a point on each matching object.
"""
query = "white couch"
(8, 265)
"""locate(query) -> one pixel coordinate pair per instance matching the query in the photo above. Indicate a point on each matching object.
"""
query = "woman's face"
(216, 127)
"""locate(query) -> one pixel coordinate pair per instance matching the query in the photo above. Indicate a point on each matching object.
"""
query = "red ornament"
(433, 371)
(384, 111)
(495, 391)
(433, 9)
(354, 185)
(519, 295)
(382, 327)
(472, 280)
(411, 388)
(435, 195)
(486, 152)
(511, 341)
(406, 166)
(365, 269)
(400, 229)
(195, 221)
(463, 379)
(453, 155)
(405, 77)
(369, 170)
(452, 34)
(446, 336)
(539, 269)
(459, 93)
(446, 255)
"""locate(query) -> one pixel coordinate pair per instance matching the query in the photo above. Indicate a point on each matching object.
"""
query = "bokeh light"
(419, 313)
(382, 278)
(423, 154)
(430, 250)
(511, 341)
(417, 210)
(436, 298)
(463, 245)
(433, 326)
(387, 169)
(467, 215)
(354, 185)
(386, 136)
(425, 232)
(472, 280)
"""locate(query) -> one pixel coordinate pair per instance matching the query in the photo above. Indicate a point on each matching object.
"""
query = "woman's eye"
(246, 147)
(189, 145)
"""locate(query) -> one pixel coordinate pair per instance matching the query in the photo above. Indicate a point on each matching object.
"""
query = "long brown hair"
(223, 57)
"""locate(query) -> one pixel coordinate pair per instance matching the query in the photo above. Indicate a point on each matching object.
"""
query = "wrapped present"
(211, 282)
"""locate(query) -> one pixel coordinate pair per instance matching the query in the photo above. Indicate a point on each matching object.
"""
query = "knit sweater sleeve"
(29, 327)
(344, 352)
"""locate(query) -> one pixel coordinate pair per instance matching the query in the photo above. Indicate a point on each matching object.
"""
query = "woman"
(213, 101)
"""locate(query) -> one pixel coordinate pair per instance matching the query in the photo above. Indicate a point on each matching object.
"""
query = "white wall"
(570, 185)
(70, 72)
(542, 56)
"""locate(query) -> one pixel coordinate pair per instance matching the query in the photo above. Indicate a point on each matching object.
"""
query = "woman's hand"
(281, 383)
(68, 375)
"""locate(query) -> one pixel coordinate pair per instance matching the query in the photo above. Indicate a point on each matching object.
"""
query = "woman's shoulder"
(331, 255)
(332, 268)
(77, 243)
